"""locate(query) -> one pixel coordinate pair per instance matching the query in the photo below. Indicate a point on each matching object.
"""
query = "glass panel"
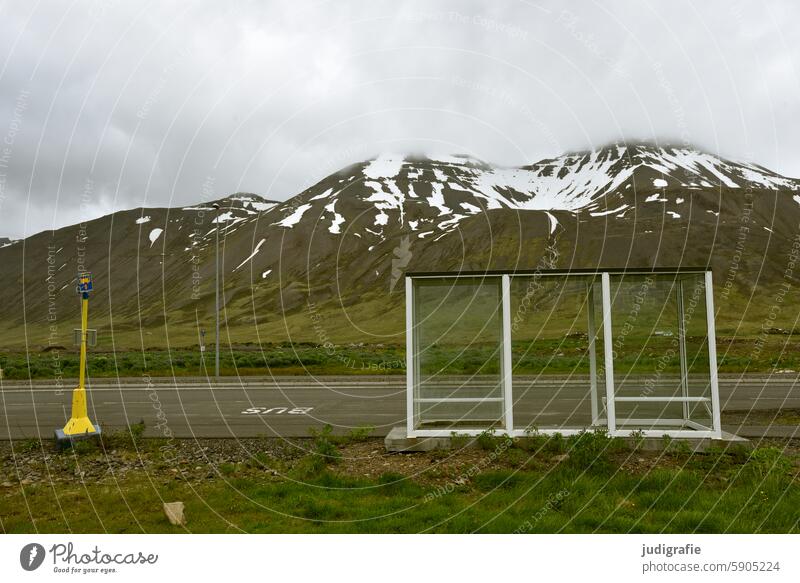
(660, 357)
(458, 353)
(552, 349)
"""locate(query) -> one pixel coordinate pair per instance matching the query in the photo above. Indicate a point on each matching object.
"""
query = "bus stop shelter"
(562, 351)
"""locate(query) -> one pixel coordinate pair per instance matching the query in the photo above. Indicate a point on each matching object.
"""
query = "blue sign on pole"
(85, 282)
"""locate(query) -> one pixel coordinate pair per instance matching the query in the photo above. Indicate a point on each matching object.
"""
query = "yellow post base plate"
(79, 426)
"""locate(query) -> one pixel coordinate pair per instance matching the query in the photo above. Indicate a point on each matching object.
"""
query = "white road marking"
(277, 411)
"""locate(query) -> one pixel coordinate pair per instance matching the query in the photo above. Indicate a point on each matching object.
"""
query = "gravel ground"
(30, 462)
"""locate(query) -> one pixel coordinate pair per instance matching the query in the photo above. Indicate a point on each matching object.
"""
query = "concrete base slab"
(64, 441)
(728, 441)
(398, 441)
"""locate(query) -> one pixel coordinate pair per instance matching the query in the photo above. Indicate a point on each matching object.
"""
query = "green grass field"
(583, 484)
(548, 356)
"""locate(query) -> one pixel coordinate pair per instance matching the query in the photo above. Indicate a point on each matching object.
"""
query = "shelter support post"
(592, 333)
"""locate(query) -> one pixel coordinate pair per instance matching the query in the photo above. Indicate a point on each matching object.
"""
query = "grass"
(547, 356)
(291, 359)
(593, 490)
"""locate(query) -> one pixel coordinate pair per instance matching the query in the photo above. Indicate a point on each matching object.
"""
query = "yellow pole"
(84, 333)
(79, 422)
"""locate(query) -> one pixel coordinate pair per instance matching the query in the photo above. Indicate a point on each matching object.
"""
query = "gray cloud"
(116, 105)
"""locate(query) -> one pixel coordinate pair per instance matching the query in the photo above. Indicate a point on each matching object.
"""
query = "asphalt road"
(289, 406)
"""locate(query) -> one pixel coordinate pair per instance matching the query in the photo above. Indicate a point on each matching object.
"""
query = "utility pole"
(216, 288)
(79, 424)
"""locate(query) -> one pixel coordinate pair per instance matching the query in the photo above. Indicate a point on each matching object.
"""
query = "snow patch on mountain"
(456, 160)
(223, 218)
(253, 254)
(325, 194)
(154, 235)
(763, 177)
(263, 206)
(553, 222)
(609, 212)
(253, 202)
(470, 207)
(451, 222)
(709, 165)
(571, 182)
(381, 219)
(390, 198)
(338, 219)
(384, 166)
(436, 199)
(294, 218)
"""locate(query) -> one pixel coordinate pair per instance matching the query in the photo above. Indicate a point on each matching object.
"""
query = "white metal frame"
(712, 355)
(615, 427)
(591, 332)
(508, 391)
(608, 353)
(411, 370)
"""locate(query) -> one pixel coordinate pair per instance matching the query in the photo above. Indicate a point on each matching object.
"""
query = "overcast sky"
(112, 105)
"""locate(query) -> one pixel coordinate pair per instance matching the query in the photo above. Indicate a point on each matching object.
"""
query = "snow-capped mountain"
(346, 240)
(432, 196)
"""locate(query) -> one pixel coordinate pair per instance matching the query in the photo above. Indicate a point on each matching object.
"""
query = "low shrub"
(768, 462)
(324, 447)
(359, 434)
(589, 451)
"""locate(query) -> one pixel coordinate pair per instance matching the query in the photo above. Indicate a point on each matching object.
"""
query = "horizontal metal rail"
(661, 399)
(459, 400)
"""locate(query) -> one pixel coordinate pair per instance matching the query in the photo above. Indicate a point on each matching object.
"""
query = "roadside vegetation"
(348, 483)
(285, 359)
(546, 356)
